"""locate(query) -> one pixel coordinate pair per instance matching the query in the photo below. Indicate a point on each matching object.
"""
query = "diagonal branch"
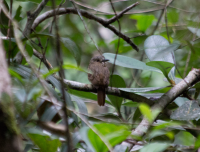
(104, 22)
(192, 78)
(113, 19)
(32, 16)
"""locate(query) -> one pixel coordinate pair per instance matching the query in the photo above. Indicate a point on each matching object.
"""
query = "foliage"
(171, 46)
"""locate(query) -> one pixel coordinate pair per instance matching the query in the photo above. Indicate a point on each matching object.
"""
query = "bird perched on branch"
(99, 76)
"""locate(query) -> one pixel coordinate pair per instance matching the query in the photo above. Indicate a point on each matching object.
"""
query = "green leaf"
(190, 110)
(81, 106)
(143, 21)
(111, 117)
(15, 74)
(184, 138)
(145, 110)
(155, 147)
(147, 89)
(128, 62)
(71, 66)
(165, 67)
(44, 142)
(72, 47)
(195, 31)
(197, 143)
(160, 125)
(172, 16)
(113, 133)
(18, 13)
(157, 48)
(131, 104)
(116, 81)
(50, 72)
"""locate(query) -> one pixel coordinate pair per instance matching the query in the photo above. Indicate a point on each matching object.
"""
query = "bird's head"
(99, 59)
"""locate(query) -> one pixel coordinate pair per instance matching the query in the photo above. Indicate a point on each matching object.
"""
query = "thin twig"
(117, 16)
(166, 22)
(157, 24)
(187, 63)
(9, 32)
(86, 27)
(118, 44)
(62, 76)
(47, 42)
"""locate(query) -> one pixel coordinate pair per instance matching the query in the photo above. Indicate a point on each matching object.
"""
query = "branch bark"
(32, 16)
(104, 22)
(192, 78)
(110, 90)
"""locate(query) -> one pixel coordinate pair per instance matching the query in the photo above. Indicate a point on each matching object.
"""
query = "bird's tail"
(101, 96)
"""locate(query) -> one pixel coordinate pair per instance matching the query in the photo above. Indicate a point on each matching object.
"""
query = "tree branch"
(192, 78)
(114, 18)
(31, 17)
(110, 90)
(89, 88)
(104, 22)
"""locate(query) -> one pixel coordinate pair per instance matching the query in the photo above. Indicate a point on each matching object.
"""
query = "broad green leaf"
(128, 62)
(143, 21)
(131, 104)
(160, 125)
(156, 133)
(116, 81)
(73, 48)
(180, 101)
(190, 110)
(155, 147)
(15, 74)
(166, 52)
(71, 66)
(111, 117)
(172, 16)
(18, 13)
(197, 143)
(44, 142)
(81, 106)
(157, 48)
(136, 116)
(141, 89)
(57, 84)
(113, 133)
(146, 111)
(195, 31)
(50, 72)
(184, 138)
(165, 67)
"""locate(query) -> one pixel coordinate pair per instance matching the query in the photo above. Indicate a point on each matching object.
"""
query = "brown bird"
(99, 76)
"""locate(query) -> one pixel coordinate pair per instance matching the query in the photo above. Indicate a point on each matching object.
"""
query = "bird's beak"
(105, 60)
